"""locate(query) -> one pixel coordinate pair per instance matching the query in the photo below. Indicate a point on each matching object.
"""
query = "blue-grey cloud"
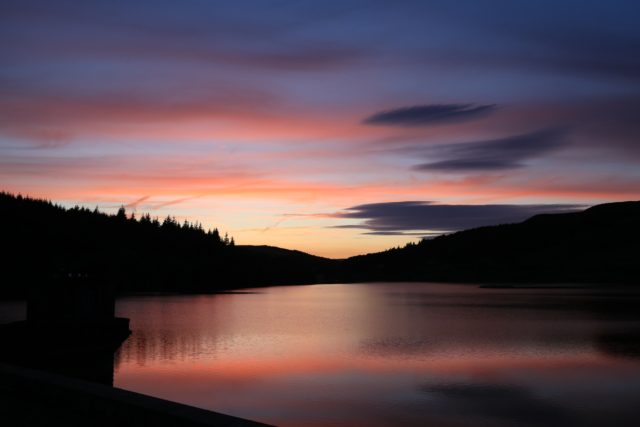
(412, 216)
(580, 50)
(496, 154)
(422, 234)
(168, 33)
(424, 115)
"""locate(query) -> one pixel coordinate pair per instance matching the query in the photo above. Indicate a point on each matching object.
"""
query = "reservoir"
(390, 354)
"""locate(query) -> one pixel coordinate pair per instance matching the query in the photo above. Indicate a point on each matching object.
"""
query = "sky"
(332, 127)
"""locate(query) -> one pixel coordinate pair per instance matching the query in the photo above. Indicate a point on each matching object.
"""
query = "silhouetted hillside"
(42, 241)
(600, 244)
(271, 265)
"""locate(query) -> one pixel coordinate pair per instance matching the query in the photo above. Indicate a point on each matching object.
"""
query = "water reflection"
(391, 354)
(498, 402)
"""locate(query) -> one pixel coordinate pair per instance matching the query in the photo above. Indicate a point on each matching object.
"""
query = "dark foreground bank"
(35, 398)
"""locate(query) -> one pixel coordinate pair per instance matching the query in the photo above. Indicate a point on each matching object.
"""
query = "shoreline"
(38, 398)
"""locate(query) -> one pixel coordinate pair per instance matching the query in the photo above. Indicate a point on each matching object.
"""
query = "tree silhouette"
(122, 213)
(136, 254)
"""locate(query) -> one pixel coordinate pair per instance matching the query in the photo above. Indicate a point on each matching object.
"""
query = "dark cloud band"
(424, 115)
(497, 154)
(413, 216)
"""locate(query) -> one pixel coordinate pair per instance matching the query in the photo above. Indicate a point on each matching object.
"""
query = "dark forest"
(44, 241)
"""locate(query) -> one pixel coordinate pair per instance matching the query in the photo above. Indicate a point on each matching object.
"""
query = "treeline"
(42, 241)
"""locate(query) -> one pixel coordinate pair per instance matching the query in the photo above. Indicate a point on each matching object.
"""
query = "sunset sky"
(332, 127)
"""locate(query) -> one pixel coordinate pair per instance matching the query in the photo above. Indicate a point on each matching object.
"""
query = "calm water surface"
(391, 354)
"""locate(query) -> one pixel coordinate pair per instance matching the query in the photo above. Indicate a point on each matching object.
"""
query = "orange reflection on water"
(382, 354)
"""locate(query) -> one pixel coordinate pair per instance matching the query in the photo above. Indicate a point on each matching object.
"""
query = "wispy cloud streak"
(425, 115)
(497, 154)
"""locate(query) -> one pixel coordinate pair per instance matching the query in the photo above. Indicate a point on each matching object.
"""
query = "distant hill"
(266, 265)
(600, 244)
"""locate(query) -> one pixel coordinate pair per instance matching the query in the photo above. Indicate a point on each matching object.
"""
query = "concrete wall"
(35, 398)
